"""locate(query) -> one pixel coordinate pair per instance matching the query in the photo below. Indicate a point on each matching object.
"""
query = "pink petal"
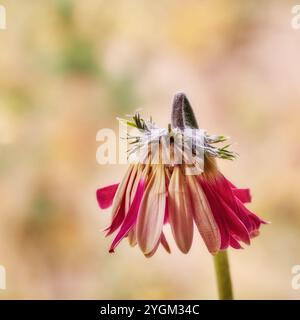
(180, 207)
(151, 253)
(254, 221)
(105, 196)
(217, 212)
(132, 237)
(235, 225)
(152, 212)
(228, 192)
(242, 194)
(129, 188)
(118, 205)
(235, 244)
(121, 191)
(131, 217)
(167, 177)
(166, 218)
(223, 187)
(117, 220)
(164, 243)
(203, 216)
(225, 209)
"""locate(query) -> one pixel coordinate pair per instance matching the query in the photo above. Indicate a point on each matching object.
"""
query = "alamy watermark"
(295, 22)
(2, 278)
(2, 17)
(156, 146)
(296, 277)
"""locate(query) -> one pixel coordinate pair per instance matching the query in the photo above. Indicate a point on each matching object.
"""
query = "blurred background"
(69, 68)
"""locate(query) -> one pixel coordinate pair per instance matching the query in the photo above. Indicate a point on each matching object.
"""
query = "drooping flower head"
(173, 179)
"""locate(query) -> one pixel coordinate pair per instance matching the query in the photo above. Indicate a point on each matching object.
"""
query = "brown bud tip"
(182, 112)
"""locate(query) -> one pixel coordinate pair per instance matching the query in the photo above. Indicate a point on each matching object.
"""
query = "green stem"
(223, 276)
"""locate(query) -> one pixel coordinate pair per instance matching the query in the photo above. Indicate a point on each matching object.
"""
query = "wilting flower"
(155, 192)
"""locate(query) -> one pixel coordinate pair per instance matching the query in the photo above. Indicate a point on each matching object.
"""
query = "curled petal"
(132, 237)
(234, 243)
(151, 253)
(152, 211)
(168, 176)
(226, 212)
(120, 193)
(180, 211)
(235, 199)
(117, 220)
(242, 194)
(217, 211)
(254, 221)
(235, 225)
(166, 218)
(105, 196)
(118, 205)
(164, 243)
(132, 233)
(129, 187)
(136, 183)
(203, 216)
(224, 188)
(131, 217)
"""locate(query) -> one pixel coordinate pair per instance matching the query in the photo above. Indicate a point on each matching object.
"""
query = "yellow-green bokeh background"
(68, 68)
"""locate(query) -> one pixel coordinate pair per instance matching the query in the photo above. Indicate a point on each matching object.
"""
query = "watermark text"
(295, 22)
(296, 277)
(2, 278)
(2, 17)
